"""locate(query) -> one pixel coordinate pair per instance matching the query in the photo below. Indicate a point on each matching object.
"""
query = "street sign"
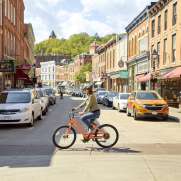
(7, 66)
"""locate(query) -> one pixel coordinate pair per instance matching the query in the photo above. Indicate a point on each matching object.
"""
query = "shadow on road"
(21, 146)
(106, 150)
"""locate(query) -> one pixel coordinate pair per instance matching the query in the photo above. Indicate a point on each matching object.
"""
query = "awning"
(20, 75)
(24, 67)
(143, 77)
(176, 73)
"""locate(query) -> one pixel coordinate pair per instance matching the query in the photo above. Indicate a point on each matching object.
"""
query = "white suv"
(44, 100)
(19, 107)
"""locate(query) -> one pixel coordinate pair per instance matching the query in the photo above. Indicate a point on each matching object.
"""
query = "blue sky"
(68, 17)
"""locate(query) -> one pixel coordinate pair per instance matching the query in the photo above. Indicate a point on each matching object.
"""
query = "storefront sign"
(7, 66)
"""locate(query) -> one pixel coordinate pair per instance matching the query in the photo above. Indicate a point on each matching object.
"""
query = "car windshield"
(112, 94)
(40, 93)
(147, 96)
(102, 93)
(14, 97)
(124, 96)
(49, 91)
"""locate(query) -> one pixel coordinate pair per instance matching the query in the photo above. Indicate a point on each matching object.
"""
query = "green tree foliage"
(75, 45)
(81, 76)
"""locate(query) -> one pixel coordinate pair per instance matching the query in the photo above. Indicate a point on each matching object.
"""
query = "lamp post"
(154, 64)
(34, 75)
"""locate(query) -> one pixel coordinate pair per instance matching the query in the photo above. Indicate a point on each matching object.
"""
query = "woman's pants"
(89, 118)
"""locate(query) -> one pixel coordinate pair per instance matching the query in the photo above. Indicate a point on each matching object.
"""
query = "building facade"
(119, 73)
(48, 73)
(138, 51)
(165, 41)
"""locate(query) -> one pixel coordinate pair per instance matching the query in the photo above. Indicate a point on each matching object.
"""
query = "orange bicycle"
(105, 135)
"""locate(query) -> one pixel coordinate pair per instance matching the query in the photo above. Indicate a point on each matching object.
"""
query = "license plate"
(6, 118)
(154, 113)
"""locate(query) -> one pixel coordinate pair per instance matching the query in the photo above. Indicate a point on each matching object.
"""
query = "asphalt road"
(147, 150)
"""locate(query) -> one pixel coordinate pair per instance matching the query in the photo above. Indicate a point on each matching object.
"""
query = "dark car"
(108, 99)
(100, 95)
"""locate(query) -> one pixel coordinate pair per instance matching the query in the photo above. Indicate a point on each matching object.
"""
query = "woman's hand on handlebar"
(81, 113)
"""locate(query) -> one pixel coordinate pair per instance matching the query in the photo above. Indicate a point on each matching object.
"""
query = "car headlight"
(24, 110)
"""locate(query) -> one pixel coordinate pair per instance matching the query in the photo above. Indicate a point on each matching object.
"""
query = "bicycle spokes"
(106, 136)
(64, 137)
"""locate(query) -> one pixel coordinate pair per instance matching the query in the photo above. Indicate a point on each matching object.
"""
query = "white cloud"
(101, 16)
(76, 23)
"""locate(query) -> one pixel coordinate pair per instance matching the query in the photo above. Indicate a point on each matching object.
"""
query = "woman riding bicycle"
(91, 111)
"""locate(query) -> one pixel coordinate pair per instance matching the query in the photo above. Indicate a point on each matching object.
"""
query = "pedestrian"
(61, 94)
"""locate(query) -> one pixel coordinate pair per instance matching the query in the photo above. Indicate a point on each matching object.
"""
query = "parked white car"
(120, 102)
(44, 100)
(19, 107)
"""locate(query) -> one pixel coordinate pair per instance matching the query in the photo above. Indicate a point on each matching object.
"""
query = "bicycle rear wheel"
(64, 137)
(106, 136)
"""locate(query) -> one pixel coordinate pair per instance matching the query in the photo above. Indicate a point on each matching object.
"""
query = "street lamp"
(154, 59)
(34, 75)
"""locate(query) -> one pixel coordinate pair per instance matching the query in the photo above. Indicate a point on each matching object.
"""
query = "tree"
(81, 76)
(75, 45)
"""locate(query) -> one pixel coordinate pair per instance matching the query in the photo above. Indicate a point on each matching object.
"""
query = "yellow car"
(147, 104)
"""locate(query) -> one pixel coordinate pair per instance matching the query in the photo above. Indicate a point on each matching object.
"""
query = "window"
(158, 51)
(153, 28)
(165, 52)
(159, 24)
(174, 19)
(143, 45)
(174, 48)
(165, 19)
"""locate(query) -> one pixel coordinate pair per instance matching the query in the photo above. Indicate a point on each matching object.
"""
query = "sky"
(67, 17)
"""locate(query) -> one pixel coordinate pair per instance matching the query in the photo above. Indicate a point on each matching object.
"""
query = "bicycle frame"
(77, 125)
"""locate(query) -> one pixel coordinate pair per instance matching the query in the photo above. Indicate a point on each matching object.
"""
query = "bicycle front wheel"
(64, 137)
(106, 136)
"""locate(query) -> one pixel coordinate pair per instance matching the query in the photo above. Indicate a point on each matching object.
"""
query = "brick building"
(12, 42)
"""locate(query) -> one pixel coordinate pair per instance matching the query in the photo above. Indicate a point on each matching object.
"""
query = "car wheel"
(40, 117)
(127, 112)
(135, 115)
(119, 110)
(31, 124)
(165, 118)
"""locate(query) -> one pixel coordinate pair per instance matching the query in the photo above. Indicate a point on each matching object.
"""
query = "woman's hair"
(89, 91)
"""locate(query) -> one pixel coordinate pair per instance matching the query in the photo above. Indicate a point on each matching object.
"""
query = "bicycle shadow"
(102, 150)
